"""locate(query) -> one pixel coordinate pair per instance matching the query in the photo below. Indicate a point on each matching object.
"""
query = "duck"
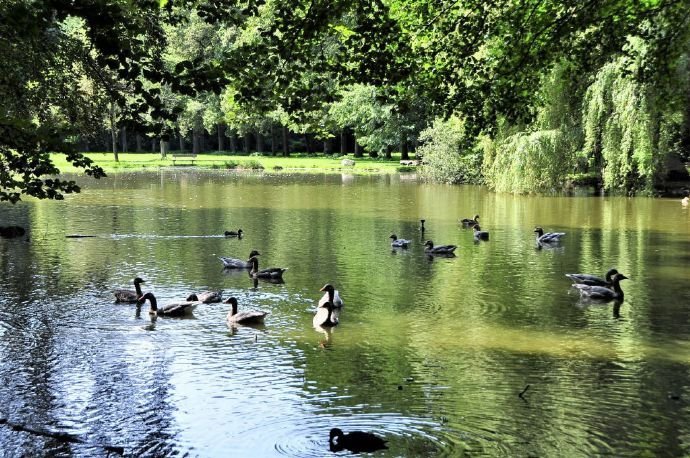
(429, 248)
(207, 297)
(479, 234)
(603, 293)
(593, 280)
(685, 201)
(470, 222)
(249, 317)
(234, 263)
(399, 243)
(127, 295)
(547, 238)
(355, 441)
(237, 233)
(331, 295)
(271, 273)
(325, 317)
(174, 309)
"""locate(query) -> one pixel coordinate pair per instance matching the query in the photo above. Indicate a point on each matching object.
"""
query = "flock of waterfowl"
(590, 287)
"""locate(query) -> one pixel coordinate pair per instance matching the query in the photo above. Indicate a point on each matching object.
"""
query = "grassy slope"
(294, 163)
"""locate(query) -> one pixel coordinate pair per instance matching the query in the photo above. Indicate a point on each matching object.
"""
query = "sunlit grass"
(295, 163)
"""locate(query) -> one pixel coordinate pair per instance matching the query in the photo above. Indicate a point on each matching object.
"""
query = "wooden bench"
(183, 156)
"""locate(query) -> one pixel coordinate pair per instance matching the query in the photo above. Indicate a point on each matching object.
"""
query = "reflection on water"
(430, 353)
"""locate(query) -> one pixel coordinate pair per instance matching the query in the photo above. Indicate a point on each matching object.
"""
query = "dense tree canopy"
(526, 81)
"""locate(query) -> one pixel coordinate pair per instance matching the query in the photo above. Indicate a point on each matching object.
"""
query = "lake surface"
(431, 353)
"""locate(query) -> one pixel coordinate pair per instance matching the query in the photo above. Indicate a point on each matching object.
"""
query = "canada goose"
(248, 317)
(469, 222)
(271, 272)
(237, 233)
(127, 295)
(234, 263)
(175, 309)
(593, 280)
(602, 293)
(399, 243)
(207, 297)
(429, 248)
(548, 238)
(479, 234)
(355, 441)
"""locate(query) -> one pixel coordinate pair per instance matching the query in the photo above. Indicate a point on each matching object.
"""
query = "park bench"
(183, 156)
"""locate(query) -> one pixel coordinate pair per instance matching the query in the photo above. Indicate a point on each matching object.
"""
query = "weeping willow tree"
(541, 156)
(630, 126)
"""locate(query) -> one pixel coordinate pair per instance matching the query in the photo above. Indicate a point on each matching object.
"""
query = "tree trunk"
(138, 140)
(286, 145)
(274, 140)
(247, 141)
(196, 140)
(389, 152)
(343, 143)
(233, 142)
(124, 139)
(358, 149)
(154, 144)
(182, 145)
(165, 147)
(328, 146)
(221, 136)
(113, 131)
(307, 144)
(404, 154)
(259, 142)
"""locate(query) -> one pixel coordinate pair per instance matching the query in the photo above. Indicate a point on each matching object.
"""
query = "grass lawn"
(295, 163)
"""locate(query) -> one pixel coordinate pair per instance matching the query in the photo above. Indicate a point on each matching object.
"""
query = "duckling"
(602, 293)
(175, 309)
(271, 272)
(207, 297)
(325, 317)
(399, 243)
(237, 233)
(250, 317)
(470, 222)
(355, 441)
(593, 280)
(429, 248)
(332, 295)
(479, 234)
(127, 295)
(548, 238)
(234, 263)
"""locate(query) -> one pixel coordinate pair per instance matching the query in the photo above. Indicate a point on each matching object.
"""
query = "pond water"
(431, 354)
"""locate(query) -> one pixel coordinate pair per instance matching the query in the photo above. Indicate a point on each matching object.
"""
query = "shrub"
(444, 158)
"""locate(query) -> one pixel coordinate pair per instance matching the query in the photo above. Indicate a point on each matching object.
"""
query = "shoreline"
(296, 163)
